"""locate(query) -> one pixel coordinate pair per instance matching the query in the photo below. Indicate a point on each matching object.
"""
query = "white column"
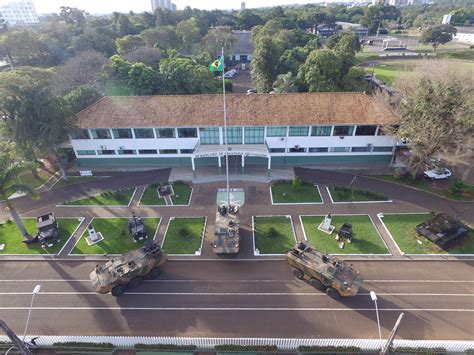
(243, 161)
(269, 162)
(219, 161)
(192, 163)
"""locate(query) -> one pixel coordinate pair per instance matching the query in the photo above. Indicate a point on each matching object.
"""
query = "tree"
(9, 171)
(81, 97)
(248, 19)
(217, 38)
(436, 35)
(163, 37)
(285, 83)
(345, 45)
(25, 47)
(322, 71)
(142, 79)
(354, 81)
(436, 114)
(128, 44)
(189, 32)
(124, 26)
(264, 63)
(149, 56)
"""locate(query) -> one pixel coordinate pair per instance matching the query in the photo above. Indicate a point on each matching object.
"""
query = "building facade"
(162, 4)
(19, 13)
(263, 129)
(243, 47)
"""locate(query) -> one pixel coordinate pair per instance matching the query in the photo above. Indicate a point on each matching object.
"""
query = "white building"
(19, 13)
(162, 4)
(243, 47)
(464, 35)
(263, 129)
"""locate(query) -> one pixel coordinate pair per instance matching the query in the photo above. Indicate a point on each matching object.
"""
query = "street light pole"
(36, 290)
(373, 296)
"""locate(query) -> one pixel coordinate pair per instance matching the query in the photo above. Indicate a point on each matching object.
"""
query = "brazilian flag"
(217, 65)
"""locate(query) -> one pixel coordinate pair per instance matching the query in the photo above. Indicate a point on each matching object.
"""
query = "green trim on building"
(368, 159)
(123, 162)
(207, 161)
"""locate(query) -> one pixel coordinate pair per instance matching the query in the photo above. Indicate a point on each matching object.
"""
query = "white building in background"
(19, 13)
(162, 4)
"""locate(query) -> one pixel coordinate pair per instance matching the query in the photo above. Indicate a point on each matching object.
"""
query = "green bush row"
(328, 349)
(164, 347)
(232, 347)
(368, 193)
(427, 351)
(290, 182)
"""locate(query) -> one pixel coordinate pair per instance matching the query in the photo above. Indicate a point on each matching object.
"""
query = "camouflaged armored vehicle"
(128, 270)
(442, 229)
(226, 230)
(137, 229)
(48, 231)
(323, 272)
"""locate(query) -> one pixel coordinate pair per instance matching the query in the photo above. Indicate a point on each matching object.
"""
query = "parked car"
(437, 174)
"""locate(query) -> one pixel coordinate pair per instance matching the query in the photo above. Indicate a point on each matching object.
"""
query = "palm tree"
(9, 170)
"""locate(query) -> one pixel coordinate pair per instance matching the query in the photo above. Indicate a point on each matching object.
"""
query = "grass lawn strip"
(107, 198)
(304, 194)
(184, 235)
(273, 235)
(402, 229)
(366, 237)
(73, 180)
(10, 236)
(27, 178)
(345, 195)
(182, 194)
(150, 197)
(117, 239)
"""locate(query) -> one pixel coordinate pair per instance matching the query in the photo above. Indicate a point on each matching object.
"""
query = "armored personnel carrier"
(128, 270)
(48, 231)
(323, 272)
(136, 227)
(226, 230)
(442, 229)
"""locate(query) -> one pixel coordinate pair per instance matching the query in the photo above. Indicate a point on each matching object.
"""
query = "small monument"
(93, 237)
(326, 226)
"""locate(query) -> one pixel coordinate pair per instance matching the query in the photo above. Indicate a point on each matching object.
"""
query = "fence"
(281, 343)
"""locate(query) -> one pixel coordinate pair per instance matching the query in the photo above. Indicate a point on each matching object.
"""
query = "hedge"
(164, 347)
(428, 351)
(232, 347)
(328, 349)
(368, 193)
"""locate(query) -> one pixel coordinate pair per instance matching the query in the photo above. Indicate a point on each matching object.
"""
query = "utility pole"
(20, 345)
(391, 337)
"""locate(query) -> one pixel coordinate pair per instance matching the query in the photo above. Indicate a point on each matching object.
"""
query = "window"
(366, 130)
(340, 149)
(106, 152)
(209, 135)
(319, 131)
(168, 151)
(343, 130)
(86, 152)
(186, 151)
(80, 134)
(187, 132)
(127, 152)
(318, 150)
(383, 149)
(360, 149)
(234, 135)
(101, 134)
(147, 151)
(143, 133)
(254, 135)
(122, 133)
(297, 150)
(277, 150)
(299, 131)
(276, 131)
(165, 133)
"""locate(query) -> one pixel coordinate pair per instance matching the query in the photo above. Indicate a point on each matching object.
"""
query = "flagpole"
(225, 131)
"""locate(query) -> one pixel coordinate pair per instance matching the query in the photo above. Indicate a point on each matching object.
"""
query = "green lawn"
(10, 236)
(430, 186)
(150, 197)
(117, 239)
(303, 194)
(402, 228)
(72, 180)
(366, 239)
(27, 178)
(273, 235)
(182, 193)
(347, 195)
(184, 235)
(108, 198)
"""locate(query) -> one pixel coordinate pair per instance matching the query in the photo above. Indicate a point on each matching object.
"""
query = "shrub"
(232, 347)
(347, 192)
(74, 345)
(296, 183)
(164, 347)
(458, 187)
(328, 349)
(272, 232)
(428, 351)
(184, 232)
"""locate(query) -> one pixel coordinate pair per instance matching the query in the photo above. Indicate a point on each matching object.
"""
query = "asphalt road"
(242, 299)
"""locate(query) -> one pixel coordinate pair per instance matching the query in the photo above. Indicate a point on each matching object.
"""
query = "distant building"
(326, 31)
(464, 35)
(359, 30)
(243, 47)
(162, 4)
(242, 6)
(447, 19)
(406, 2)
(19, 13)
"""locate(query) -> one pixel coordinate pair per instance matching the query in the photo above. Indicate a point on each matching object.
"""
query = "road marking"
(243, 294)
(252, 309)
(424, 281)
(251, 281)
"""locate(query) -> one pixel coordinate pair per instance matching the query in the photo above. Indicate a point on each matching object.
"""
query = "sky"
(108, 6)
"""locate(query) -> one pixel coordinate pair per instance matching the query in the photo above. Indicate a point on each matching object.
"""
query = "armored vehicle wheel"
(118, 291)
(135, 282)
(332, 293)
(317, 284)
(153, 274)
(297, 273)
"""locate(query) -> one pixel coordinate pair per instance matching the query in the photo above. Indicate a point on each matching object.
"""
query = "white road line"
(250, 281)
(252, 309)
(242, 294)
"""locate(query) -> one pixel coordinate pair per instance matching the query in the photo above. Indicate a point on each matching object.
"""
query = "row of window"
(272, 150)
(253, 135)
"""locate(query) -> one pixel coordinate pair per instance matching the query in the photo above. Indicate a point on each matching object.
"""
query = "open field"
(184, 235)
(273, 235)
